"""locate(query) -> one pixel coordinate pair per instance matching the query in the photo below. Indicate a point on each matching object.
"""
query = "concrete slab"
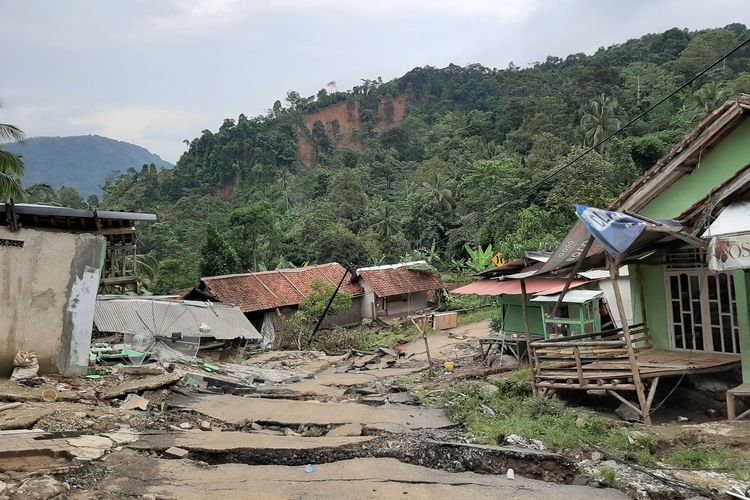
(364, 478)
(235, 409)
(228, 441)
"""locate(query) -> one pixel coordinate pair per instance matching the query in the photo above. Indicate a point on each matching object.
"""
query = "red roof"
(271, 289)
(535, 286)
(399, 280)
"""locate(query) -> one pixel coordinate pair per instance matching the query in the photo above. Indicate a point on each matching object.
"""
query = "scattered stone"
(597, 456)
(80, 414)
(176, 452)
(346, 430)
(123, 437)
(87, 454)
(524, 442)
(3, 487)
(204, 425)
(148, 497)
(41, 488)
(186, 425)
(581, 480)
(682, 419)
(639, 434)
(138, 370)
(174, 428)
(256, 426)
(290, 432)
(489, 388)
(105, 423)
(712, 413)
(581, 420)
(627, 413)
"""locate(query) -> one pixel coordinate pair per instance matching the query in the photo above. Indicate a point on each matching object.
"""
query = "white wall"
(47, 297)
(609, 294)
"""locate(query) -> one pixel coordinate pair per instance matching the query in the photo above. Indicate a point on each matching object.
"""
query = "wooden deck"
(605, 361)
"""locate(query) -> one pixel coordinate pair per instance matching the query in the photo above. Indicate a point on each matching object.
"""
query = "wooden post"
(642, 294)
(423, 331)
(527, 332)
(614, 274)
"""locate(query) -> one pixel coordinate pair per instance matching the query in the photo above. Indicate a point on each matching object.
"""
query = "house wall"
(514, 316)
(742, 292)
(347, 318)
(403, 304)
(368, 304)
(607, 286)
(723, 161)
(655, 294)
(47, 298)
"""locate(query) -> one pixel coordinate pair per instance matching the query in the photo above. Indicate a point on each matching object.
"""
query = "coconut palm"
(599, 120)
(11, 165)
(388, 225)
(437, 189)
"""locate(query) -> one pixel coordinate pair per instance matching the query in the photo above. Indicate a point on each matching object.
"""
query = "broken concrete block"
(133, 402)
(42, 488)
(186, 425)
(256, 427)
(204, 425)
(105, 423)
(346, 430)
(141, 384)
(176, 452)
(89, 441)
(627, 413)
(682, 419)
(290, 432)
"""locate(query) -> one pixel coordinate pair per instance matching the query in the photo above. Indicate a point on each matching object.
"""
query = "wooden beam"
(614, 274)
(527, 330)
(572, 276)
(626, 402)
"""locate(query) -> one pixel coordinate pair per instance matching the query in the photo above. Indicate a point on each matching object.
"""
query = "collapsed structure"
(51, 263)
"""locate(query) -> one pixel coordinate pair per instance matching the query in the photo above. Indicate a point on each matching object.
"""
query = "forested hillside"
(425, 182)
(79, 162)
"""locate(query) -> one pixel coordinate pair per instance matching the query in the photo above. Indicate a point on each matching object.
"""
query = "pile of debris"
(383, 357)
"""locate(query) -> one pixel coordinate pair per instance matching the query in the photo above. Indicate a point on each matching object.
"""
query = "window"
(702, 310)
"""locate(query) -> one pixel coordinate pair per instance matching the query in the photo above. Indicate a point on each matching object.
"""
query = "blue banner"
(616, 231)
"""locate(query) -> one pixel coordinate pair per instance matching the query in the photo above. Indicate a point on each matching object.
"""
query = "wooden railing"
(597, 360)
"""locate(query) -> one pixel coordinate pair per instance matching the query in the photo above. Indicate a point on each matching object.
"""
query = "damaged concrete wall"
(48, 292)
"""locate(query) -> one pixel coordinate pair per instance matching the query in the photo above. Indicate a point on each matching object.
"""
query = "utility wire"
(530, 187)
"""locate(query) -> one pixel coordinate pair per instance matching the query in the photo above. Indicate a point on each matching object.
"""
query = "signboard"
(729, 252)
(570, 249)
(498, 260)
(615, 230)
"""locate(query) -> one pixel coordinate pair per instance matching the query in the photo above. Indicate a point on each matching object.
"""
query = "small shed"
(578, 312)
(397, 290)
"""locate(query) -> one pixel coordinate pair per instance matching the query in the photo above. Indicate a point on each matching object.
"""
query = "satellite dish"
(162, 331)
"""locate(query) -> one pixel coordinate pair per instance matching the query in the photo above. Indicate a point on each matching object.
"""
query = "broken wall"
(48, 286)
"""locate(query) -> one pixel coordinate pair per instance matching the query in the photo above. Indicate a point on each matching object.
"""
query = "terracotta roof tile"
(387, 282)
(271, 289)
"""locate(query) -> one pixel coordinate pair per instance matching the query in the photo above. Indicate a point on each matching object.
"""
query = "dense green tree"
(217, 256)
(599, 119)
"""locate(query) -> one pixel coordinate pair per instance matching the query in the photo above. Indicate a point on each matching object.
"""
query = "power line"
(555, 172)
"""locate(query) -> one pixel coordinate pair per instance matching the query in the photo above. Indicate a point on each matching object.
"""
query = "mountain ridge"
(83, 162)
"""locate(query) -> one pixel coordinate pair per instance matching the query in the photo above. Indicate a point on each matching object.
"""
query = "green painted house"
(686, 305)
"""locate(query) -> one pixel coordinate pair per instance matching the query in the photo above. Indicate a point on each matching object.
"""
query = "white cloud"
(157, 129)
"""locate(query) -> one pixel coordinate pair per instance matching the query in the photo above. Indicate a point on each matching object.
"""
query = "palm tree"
(388, 225)
(706, 99)
(11, 165)
(599, 120)
(437, 189)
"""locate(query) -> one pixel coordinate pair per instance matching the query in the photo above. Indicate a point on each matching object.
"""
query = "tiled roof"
(272, 289)
(395, 281)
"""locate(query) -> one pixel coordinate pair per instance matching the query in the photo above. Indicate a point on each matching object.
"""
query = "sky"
(156, 72)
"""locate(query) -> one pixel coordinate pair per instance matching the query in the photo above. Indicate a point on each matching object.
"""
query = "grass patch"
(607, 475)
(702, 458)
(476, 315)
(514, 410)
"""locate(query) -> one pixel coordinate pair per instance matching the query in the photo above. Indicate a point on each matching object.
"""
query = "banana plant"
(479, 260)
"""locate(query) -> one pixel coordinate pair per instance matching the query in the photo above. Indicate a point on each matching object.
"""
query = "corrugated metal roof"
(496, 288)
(603, 274)
(571, 297)
(162, 317)
(47, 210)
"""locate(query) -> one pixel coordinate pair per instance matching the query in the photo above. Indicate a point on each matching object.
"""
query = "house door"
(702, 312)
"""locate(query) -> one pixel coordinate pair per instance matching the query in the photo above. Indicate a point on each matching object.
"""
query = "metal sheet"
(125, 315)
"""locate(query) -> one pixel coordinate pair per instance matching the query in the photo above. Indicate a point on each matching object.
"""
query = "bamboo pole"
(642, 293)
(527, 331)
(614, 274)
